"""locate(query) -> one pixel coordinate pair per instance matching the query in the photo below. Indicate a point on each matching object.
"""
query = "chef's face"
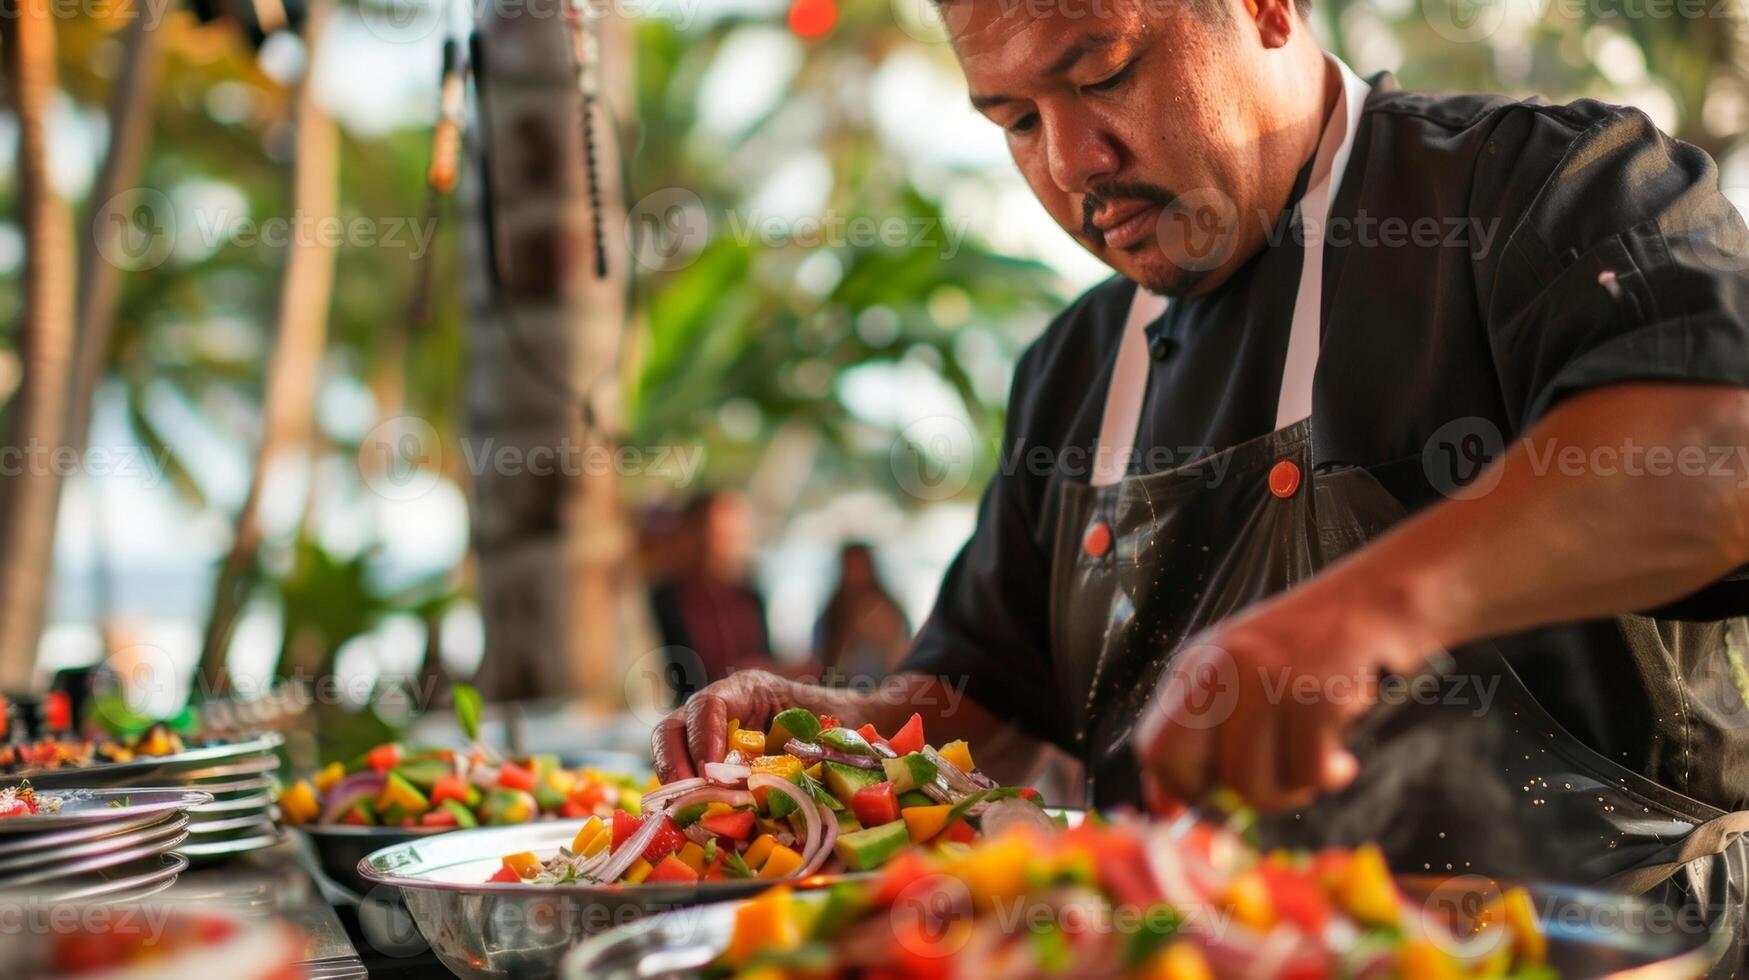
(1146, 127)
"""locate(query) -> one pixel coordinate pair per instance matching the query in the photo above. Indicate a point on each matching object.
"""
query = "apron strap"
(1705, 840)
(1129, 377)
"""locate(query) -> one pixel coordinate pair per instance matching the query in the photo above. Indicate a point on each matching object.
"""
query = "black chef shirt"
(1486, 259)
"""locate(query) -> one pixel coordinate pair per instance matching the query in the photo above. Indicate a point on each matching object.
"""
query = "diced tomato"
(1121, 864)
(715, 871)
(588, 794)
(667, 840)
(899, 874)
(827, 721)
(513, 776)
(1296, 898)
(875, 805)
(16, 808)
(1028, 793)
(505, 874)
(869, 734)
(736, 824)
(571, 810)
(624, 826)
(440, 817)
(384, 757)
(909, 737)
(450, 787)
(959, 832)
(671, 868)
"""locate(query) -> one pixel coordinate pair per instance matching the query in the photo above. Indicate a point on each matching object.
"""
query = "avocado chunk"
(843, 781)
(909, 772)
(845, 740)
(464, 818)
(798, 723)
(913, 797)
(424, 773)
(862, 850)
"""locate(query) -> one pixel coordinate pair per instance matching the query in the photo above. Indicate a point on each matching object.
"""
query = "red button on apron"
(1098, 540)
(1284, 478)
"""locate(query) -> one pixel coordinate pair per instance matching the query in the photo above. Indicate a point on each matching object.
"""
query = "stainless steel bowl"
(341, 848)
(1588, 931)
(500, 930)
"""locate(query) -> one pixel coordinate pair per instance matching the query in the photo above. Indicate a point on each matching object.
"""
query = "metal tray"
(92, 807)
(95, 862)
(175, 769)
(56, 856)
(205, 853)
(147, 877)
(1582, 925)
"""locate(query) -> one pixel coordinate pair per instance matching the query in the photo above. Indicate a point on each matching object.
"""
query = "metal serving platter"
(1584, 929)
(204, 852)
(56, 856)
(146, 877)
(217, 760)
(94, 862)
(253, 803)
(93, 807)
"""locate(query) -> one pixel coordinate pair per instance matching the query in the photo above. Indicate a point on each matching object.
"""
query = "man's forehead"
(999, 36)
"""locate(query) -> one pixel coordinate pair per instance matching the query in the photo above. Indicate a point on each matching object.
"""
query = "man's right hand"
(697, 732)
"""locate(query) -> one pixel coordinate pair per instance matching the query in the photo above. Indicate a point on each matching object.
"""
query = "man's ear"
(1276, 20)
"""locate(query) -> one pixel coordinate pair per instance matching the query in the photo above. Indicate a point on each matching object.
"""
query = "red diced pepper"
(450, 787)
(667, 840)
(440, 817)
(869, 734)
(898, 875)
(736, 824)
(1296, 898)
(505, 874)
(959, 832)
(875, 805)
(588, 795)
(513, 776)
(827, 721)
(715, 871)
(671, 868)
(1028, 793)
(571, 810)
(909, 737)
(384, 757)
(624, 826)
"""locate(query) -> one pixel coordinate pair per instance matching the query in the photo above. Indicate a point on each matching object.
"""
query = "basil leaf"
(467, 709)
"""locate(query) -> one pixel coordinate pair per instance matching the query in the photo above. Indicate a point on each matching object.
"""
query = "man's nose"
(1078, 155)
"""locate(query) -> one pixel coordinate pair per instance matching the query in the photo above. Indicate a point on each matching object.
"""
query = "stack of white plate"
(107, 844)
(238, 776)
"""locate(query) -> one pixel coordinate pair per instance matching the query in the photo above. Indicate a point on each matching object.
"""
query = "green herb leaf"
(735, 867)
(467, 709)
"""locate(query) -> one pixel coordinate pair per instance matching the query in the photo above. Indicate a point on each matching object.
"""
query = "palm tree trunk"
(288, 397)
(548, 546)
(30, 497)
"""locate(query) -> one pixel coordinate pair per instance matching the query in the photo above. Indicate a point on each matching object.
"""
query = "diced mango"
(1181, 960)
(524, 863)
(958, 753)
(639, 870)
(561, 781)
(602, 838)
(781, 766)
(692, 855)
(1528, 941)
(763, 924)
(995, 871)
(814, 771)
(1421, 960)
(298, 804)
(781, 863)
(585, 834)
(332, 773)
(1365, 890)
(925, 822)
(748, 742)
(1247, 897)
(759, 850)
(712, 809)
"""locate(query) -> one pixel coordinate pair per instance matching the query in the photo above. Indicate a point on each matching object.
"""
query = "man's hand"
(1260, 703)
(697, 732)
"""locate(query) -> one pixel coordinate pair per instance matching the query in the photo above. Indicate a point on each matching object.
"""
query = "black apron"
(1466, 773)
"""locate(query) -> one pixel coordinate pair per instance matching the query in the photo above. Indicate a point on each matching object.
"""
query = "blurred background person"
(708, 604)
(863, 634)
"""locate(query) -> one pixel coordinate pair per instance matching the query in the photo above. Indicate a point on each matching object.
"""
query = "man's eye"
(1111, 81)
(1024, 123)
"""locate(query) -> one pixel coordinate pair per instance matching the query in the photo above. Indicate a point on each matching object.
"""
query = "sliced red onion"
(358, 786)
(1001, 816)
(937, 790)
(656, 797)
(804, 802)
(734, 758)
(828, 840)
(483, 776)
(808, 752)
(811, 753)
(884, 750)
(696, 833)
(726, 774)
(713, 794)
(982, 780)
(626, 853)
(955, 777)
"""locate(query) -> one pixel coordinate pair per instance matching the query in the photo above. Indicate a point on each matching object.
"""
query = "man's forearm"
(1621, 500)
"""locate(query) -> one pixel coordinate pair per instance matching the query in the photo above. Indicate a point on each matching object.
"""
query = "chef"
(1395, 482)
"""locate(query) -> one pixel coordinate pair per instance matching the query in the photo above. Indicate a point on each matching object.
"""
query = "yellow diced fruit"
(598, 843)
(585, 834)
(748, 742)
(781, 863)
(925, 822)
(561, 781)
(692, 856)
(759, 850)
(958, 753)
(332, 773)
(781, 766)
(995, 871)
(712, 809)
(1247, 897)
(1421, 960)
(816, 770)
(1528, 941)
(1179, 961)
(524, 863)
(777, 738)
(639, 870)
(1366, 891)
(763, 924)
(298, 804)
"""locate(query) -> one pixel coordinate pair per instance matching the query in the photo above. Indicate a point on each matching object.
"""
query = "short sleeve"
(990, 628)
(1627, 263)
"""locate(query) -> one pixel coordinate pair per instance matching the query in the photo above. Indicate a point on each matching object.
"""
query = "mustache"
(1118, 190)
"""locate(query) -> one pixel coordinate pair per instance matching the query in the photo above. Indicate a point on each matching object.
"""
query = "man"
(1207, 584)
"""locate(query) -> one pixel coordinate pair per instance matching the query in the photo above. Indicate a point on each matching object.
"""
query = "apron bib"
(1467, 776)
